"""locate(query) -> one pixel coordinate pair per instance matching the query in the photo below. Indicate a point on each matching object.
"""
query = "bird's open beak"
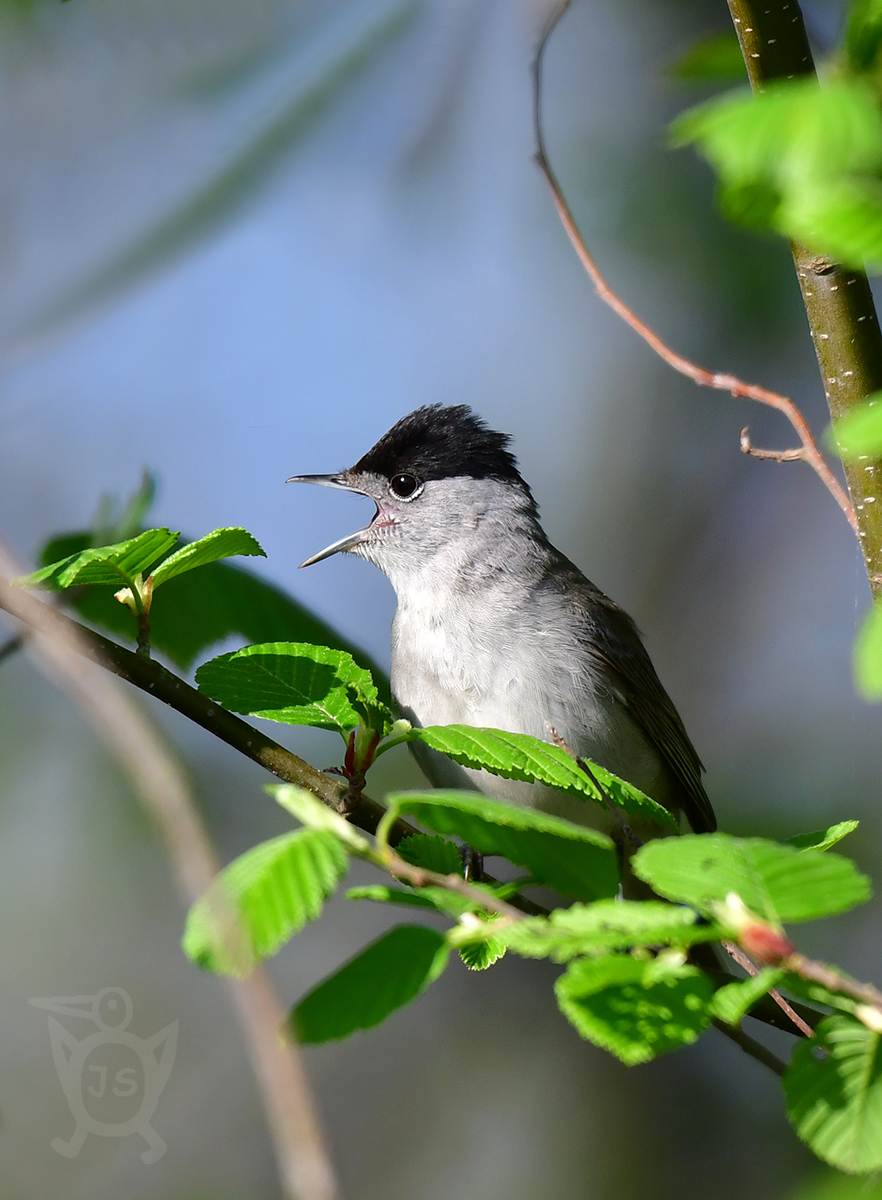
(346, 543)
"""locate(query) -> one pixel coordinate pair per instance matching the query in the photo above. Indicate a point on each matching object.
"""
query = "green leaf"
(731, 1002)
(835, 1103)
(868, 655)
(576, 861)
(274, 889)
(519, 756)
(822, 839)
(220, 543)
(604, 926)
(438, 899)
(314, 815)
(858, 433)
(293, 682)
(716, 56)
(431, 852)
(635, 1009)
(863, 34)
(390, 973)
(113, 565)
(478, 956)
(799, 158)
(778, 883)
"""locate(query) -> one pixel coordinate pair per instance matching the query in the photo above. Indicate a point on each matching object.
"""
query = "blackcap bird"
(497, 628)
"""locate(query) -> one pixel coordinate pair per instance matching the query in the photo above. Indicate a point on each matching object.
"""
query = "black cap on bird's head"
(435, 442)
(432, 443)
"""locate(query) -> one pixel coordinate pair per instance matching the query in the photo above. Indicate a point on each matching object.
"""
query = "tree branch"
(62, 650)
(808, 450)
(838, 302)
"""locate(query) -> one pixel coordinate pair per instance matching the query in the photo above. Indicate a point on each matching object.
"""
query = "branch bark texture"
(838, 301)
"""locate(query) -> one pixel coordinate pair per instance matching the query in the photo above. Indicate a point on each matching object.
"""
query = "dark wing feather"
(615, 641)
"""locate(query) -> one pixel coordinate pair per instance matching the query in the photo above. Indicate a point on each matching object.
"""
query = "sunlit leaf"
(822, 839)
(858, 432)
(113, 565)
(777, 882)
(731, 1002)
(868, 655)
(834, 1102)
(634, 1008)
(273, 889)
(220, 543)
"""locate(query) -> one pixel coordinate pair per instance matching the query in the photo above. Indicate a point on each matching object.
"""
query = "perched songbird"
(497, 628)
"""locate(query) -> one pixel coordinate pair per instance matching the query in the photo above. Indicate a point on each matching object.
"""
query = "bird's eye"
(403, 486)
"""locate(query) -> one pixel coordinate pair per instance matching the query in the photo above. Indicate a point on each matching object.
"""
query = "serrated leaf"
(835, 1103)
(732, 1001)
(292, 682)
(858, 432)
(113, 565)
(478, 956)
(390, 973)
(635, 1009)
(777, 882)
(716, 56)
(588, 929)
(274, 889)
(576, 861)
(314, 815)
(198, 611)
(822, 839)
(519, 756)
(431, 852)
(868, 655)
(220, 543)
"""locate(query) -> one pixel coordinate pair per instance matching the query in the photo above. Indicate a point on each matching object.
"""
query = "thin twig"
(421, 877)
(750, 1046)
(626, 829)
(304, 1166)
(829, 977)
(735, 952)
(808, 450)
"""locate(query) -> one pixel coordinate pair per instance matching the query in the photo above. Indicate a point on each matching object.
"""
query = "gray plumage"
(495, 627)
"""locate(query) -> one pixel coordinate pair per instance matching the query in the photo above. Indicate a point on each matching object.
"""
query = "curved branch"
(808, 449)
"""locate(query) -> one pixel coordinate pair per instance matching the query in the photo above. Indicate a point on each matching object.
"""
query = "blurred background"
(238, 240)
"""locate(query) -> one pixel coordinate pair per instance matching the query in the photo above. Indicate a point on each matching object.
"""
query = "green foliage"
(438, 899)
(519, 756)
(576, 861)
(635, 1009)
(221, 543)
(114, 565)
(863, 34)
(606, 925)
(478, 956)
(868, 655)
(800, 159)
(778, 883)
(858, 433)
(716, 56)
(822, 839)
(834, 1102)
(314, 815)
(294, 682)
(732, 1001)
(272, 890)
(431, 852)
(390, 973)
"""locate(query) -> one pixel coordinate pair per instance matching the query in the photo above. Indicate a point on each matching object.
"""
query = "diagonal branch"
(808, 450)
(304, 1166)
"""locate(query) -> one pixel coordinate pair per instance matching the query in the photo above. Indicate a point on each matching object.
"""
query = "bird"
(496, 628)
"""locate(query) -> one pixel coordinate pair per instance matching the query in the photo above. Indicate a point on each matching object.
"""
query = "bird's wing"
(615, 643)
